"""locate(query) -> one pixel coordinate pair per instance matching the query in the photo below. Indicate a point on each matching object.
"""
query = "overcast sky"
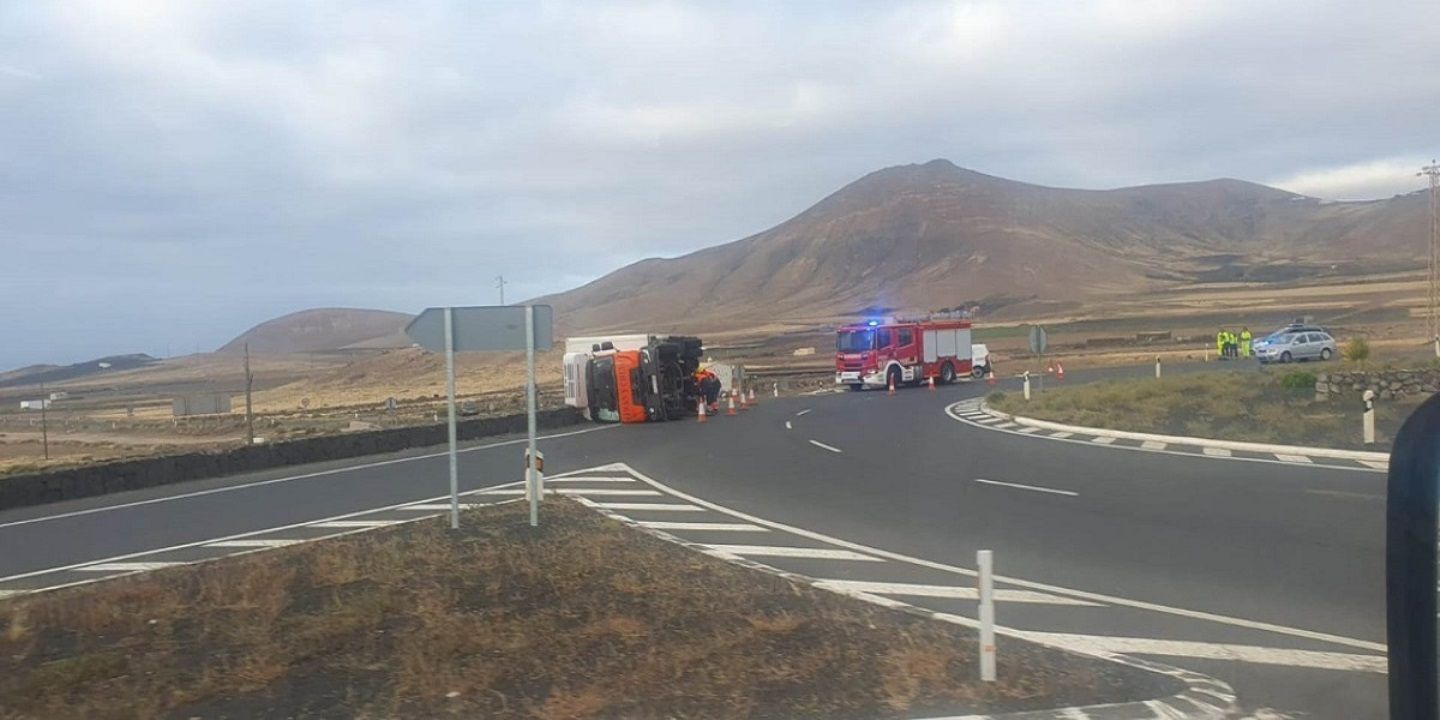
(172, 173)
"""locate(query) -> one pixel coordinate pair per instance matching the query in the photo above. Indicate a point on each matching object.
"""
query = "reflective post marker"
(1157, 367)
(1368, 418)
(532, 478)
(984, 562)
(450, 393)
(1027, 384)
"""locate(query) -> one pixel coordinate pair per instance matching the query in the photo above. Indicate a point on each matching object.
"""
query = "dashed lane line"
(823, 446)
(1035, 488)
(790, 552)
(1019, 582)
(701, 526)
(958, 592)
(802, 413)
(657, 507)
(1317, 659)
(305, 476)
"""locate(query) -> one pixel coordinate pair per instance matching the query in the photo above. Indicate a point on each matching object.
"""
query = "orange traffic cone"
(892, 385)
(932, 383)
(1050, 368)
(1059, 371)
(743, 405)
(990, 377)
(731, 411)
(700, 406)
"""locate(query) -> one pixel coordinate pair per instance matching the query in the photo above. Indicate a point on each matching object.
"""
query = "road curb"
(1204, 697)
(1333, 453)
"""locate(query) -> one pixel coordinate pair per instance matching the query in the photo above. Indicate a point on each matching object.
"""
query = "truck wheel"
(947, 374)
(978, 371)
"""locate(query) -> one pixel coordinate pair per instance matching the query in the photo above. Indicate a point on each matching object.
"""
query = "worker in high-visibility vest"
(1220, 343)
(1245, 338)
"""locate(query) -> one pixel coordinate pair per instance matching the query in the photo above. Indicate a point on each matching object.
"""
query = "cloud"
(243, 160)
(1359, 181)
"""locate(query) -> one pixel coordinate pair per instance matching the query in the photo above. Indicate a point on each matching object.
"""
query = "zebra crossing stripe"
(253, 543)
(791, 552)
(1377, 464)
(1153, 445)
(1323, 660)
(701, 526)
(354, 523)
(1102, 440)
(1061, 434)
(958, 592)
(1293, 458)
(126, 566)
(1216, 452)
(659, 507)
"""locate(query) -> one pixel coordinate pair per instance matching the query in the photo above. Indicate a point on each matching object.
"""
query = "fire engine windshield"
(855, 341)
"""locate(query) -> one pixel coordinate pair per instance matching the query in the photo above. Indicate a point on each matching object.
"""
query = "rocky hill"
(322, 329)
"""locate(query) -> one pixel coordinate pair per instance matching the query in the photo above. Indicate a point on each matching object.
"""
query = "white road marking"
(1036, 488)
(250, 533)
(987, 420)
(1102, 440)
(10, 593)
(1377, 464)
(1293, 458)
(354, 523)
(661, 507)
(1215, 651)
(1216, 452)
(1028, 430)
(336, 471)
(1043, 587)
(705, 526)
(441, 506)
(1061, 434)
(126, 566)
(949, 591)
(791, 552)
(1006, 424)
(823, 446)
(1153, 445)
(802, 412)
(788, 426)
(592, 478)
(254, 542)
(1344, 494)
(576, 491)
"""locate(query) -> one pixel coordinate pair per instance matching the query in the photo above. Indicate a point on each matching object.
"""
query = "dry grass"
(581, 618)
(1254, 407)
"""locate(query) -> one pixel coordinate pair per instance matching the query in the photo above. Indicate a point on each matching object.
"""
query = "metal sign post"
(450, 404)
(468, 329)
(1039, 339)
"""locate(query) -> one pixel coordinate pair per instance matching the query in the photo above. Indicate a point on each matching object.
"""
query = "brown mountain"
(323, 329)
(931, 236)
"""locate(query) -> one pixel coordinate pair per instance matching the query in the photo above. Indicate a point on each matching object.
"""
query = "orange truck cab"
(652, 380)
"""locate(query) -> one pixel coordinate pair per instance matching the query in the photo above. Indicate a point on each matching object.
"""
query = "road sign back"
(491, 327)
(1038, 339)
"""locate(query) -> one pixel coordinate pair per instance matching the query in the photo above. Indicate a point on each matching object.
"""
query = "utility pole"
(44, 421)
(249, 384)
(500, 283)
(1433, 172)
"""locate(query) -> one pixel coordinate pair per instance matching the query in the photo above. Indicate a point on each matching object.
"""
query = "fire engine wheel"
(947, 374)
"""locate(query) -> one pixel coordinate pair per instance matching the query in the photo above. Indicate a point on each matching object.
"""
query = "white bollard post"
(1368, 417)
(1157, 367)
(775, 389)
(985, 563)
(1027, 384)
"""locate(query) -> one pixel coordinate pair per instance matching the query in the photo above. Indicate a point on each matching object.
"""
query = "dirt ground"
(580, 618)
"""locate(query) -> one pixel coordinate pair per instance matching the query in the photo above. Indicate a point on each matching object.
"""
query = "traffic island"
(581, 617)
(1273, 406)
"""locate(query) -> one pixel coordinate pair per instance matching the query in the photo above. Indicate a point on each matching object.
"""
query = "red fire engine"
(887, 351)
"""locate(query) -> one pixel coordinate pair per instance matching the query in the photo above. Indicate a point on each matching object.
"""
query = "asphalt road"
(1266, 576)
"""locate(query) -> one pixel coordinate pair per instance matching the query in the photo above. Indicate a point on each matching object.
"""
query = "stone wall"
(57, 485)
(1387, 384)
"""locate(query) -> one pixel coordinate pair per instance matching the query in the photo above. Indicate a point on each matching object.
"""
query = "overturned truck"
(633, 378)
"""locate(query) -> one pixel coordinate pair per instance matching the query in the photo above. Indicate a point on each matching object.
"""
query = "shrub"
(995, 398)
(1357, 350)
(1298, 380)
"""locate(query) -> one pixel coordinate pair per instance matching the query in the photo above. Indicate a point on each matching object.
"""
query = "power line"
(1432, 171)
